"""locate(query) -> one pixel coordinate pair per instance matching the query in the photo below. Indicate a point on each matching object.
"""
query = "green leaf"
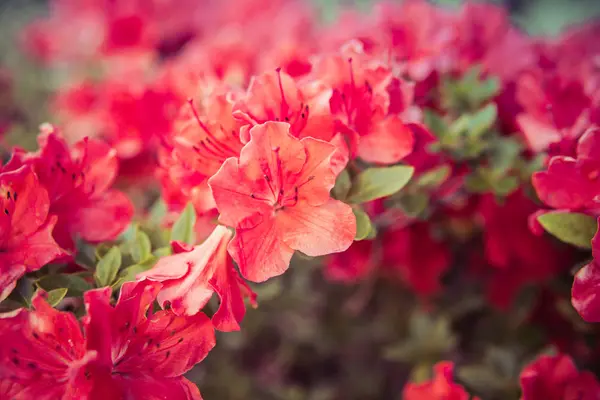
(55, 296)
(363, 224)
(435, 122)
(375, 183)
(434, 177)
(129, 274)
(183, 229)
(162, 252)
(141, 247)
(75, 284)
(414, 204)
(481, 122)
(342, 185)
(108, 267)
(573, 228)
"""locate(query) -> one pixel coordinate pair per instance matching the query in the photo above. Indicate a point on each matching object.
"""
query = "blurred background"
(312, 339)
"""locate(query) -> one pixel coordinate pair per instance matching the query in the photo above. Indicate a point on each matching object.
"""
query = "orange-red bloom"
(441, 387)
(276, 195)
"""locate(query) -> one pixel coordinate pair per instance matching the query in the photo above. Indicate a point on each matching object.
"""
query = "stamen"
(285, 108)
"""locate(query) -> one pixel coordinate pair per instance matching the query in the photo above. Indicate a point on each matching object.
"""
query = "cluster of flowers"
(409, 143)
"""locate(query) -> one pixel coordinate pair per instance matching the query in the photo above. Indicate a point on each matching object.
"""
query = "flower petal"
(258, 250)
(320, 230)
(388, 142)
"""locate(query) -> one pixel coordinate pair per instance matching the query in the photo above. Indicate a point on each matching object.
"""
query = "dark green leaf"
(75, 284)
(108, 267)
(183, 229)
(573, 228)
(375, 183)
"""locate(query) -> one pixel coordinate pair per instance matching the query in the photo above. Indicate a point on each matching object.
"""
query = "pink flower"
(191, 276)
(276, 195)
(26, 242)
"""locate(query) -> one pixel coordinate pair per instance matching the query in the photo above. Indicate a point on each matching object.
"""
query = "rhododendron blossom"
(557, 378)
(78, 181)
(437, 170)
(126, 351)
(441, 387)
(26, 227)
(192, 275)
(276, 196)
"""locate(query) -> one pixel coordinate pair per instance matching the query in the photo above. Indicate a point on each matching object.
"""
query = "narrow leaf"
(108, 267)
(482, 121)
(183, 229)
(141, 247)
(375, 183)
(572, 228)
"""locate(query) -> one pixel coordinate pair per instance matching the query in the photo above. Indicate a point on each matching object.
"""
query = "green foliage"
(55, 296)
(375, 183)
(572, 228)
(363, 224)
(108, 267)
(75, 284)
(183, 229)
(343, 184)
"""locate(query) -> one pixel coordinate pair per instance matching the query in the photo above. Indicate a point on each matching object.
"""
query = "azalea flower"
(26, 242)
(557, 378)
(276, 196)
(78, 181)
(191, 276)
(572, 183)
(586, 286)
(127, 351)
(441, 387)
(361, 104)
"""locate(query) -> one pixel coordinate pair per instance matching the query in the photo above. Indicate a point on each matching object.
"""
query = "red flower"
(441, 387)
(276, 195)
(351, 265)
(556, 109)
(140, 355)
(417, 257)
(557, 378)
(586, 286)
(517, 256)
(361, 103)
(275, 96)
(42, 353)
(26, 242)
(78, 181)
(191, 276)
(573, 184)
(127, 351)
